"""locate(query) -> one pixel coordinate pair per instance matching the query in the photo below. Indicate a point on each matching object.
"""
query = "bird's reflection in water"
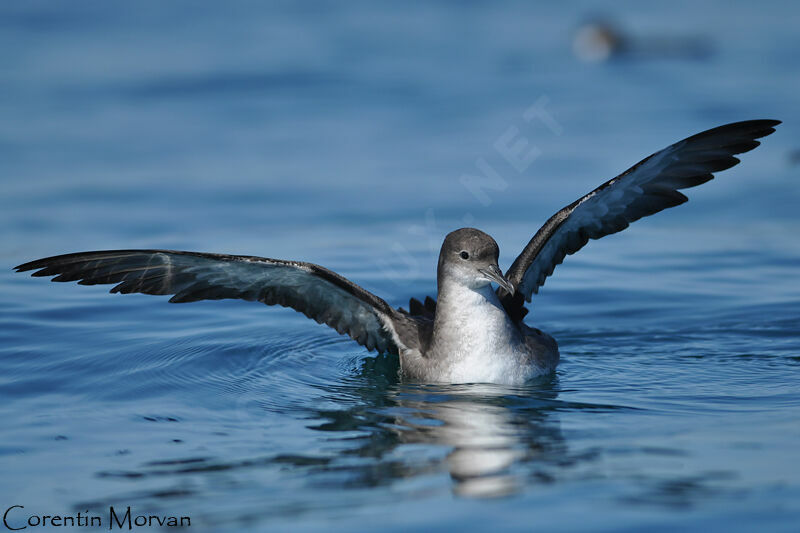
(489, 428)
(499, 438)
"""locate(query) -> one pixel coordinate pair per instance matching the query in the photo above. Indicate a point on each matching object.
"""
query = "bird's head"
(469, 257)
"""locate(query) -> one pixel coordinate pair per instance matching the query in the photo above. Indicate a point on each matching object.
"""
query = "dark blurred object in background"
(794, 157)
(601, 38)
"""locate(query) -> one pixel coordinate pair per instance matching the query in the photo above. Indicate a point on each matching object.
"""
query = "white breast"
(475, 341)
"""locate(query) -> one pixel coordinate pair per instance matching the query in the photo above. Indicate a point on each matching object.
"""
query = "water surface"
(338, 134)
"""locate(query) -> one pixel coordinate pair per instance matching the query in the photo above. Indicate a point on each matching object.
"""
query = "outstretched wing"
(315, 291)
(644, 189)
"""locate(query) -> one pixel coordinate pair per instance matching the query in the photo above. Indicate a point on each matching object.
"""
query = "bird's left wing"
(317, 292)
(646, 188)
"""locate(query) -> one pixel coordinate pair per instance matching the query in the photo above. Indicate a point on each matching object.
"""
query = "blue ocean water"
(338, 134)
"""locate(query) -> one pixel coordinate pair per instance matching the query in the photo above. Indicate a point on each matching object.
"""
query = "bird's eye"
(464, 255)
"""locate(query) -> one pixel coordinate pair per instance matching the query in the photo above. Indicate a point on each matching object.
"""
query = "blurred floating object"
(600, 39)
(794, 157)
(597, 40)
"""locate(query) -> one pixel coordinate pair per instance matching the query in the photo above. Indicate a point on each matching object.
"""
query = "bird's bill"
(493, 273)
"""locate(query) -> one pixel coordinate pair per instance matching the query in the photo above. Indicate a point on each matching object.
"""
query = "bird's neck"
(470, 317)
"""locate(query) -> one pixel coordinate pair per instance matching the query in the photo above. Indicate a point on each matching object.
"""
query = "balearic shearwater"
(473, 333)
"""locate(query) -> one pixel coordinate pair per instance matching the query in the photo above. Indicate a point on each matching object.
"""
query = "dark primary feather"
(315, 291)
(644, 189)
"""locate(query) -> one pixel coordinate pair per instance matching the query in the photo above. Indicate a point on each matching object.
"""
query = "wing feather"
(317, 292)
(646, 188)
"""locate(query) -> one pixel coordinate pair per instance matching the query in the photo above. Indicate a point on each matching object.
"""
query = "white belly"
(478, 343)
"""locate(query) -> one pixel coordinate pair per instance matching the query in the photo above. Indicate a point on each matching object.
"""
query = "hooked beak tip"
(509, 287)
(494, 273)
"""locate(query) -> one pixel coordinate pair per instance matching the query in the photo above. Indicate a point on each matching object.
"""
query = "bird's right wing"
(646, 188)
(315, 291)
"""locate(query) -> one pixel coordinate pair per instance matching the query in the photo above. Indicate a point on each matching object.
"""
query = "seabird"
(471, 332)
